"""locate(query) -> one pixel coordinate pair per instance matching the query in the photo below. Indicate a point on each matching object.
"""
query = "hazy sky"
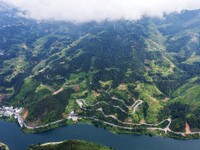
(98, 10)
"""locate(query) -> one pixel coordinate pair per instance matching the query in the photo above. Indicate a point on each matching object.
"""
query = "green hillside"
(70, 145)
(130, 75)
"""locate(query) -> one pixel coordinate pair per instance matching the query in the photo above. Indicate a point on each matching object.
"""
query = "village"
(11, 111)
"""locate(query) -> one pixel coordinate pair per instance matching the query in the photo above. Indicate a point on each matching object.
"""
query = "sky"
(99, 10)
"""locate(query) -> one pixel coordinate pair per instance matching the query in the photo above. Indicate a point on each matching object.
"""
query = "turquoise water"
(11, 134)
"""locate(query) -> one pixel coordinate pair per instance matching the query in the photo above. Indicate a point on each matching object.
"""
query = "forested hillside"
(126, 73)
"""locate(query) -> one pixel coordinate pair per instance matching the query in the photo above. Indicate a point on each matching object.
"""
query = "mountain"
(123, 74)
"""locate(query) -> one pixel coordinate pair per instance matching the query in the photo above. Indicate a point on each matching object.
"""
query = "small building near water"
(73, 116)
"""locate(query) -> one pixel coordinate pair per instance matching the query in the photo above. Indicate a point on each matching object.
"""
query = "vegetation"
(70, 145)
(46, 67)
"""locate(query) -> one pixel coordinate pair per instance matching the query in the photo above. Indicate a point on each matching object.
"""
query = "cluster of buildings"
(10, 111)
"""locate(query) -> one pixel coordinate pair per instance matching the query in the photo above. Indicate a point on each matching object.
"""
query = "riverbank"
(3, 146)
(114, 125)
(13, 136)
(69, 145)
(110, 121)
(140, 130)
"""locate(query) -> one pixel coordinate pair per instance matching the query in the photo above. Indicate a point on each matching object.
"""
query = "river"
(16, 139)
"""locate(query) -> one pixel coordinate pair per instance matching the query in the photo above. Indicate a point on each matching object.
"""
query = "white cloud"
(98, 10)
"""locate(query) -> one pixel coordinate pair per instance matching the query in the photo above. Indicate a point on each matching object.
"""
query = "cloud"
(98, 10)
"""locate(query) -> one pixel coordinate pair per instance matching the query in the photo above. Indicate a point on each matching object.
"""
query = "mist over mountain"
(121, 72)
(99, 10)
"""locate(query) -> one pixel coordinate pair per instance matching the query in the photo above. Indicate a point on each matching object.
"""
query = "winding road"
(134, 108)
